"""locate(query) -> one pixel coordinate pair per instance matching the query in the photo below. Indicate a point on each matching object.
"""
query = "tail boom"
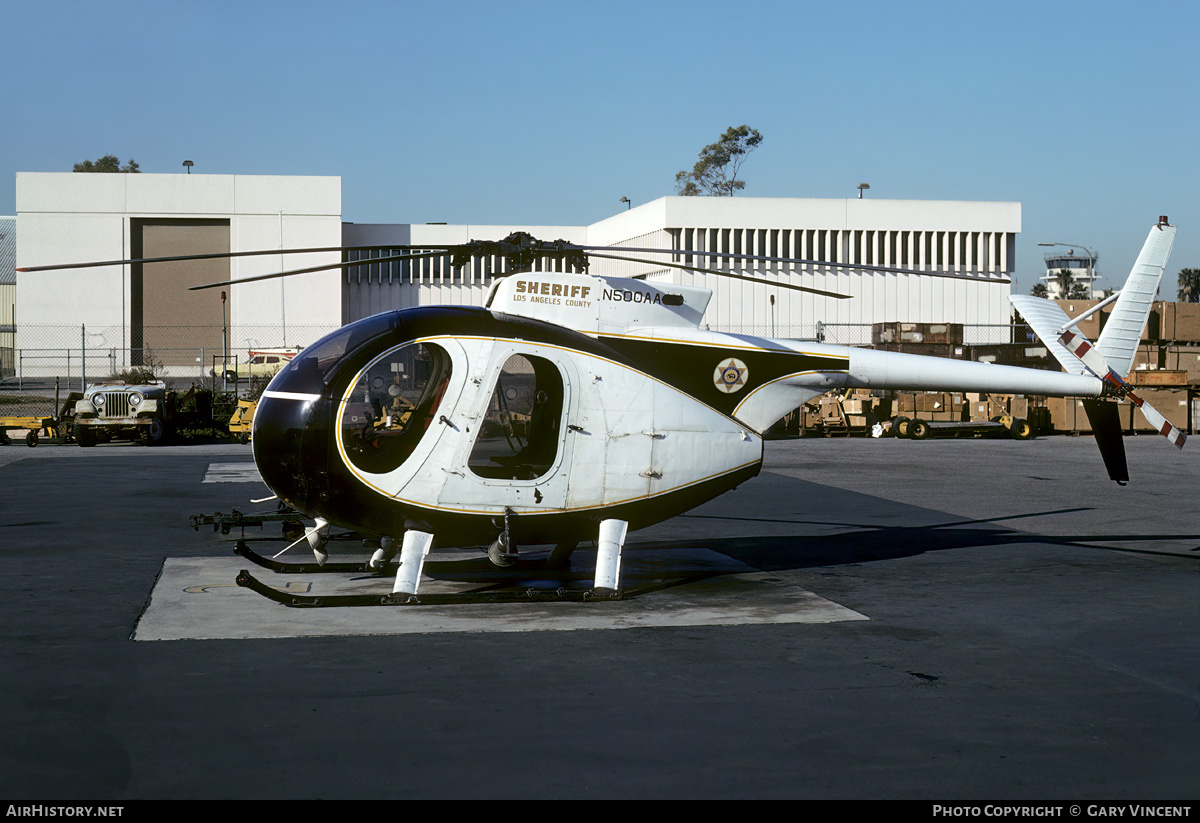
(911, 372)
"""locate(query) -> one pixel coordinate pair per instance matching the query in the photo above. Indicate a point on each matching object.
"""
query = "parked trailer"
(918, 429)
(33, 425)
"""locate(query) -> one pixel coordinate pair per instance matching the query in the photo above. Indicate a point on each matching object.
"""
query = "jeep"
(115, 408)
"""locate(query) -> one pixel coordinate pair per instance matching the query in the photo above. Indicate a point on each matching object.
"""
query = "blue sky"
(549, 113)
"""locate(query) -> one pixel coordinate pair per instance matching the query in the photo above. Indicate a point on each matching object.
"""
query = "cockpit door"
(516, 445)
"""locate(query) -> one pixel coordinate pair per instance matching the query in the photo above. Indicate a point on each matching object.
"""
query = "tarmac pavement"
(1002, 623)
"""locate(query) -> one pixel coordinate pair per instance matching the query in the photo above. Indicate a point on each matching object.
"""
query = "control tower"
(1081, 266)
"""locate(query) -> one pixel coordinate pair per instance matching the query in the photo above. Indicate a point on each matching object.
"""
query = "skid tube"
(492, 593)
(483, 595)
(240, 548)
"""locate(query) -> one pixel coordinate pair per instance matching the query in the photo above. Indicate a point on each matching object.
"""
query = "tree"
(1189, 286)
(1064, 279)
(715, 173)
(107, 163)
(1040, 290)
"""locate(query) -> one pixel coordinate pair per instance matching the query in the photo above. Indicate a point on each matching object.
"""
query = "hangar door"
(169, 323)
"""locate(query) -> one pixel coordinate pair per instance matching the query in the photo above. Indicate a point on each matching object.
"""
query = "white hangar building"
(972, 238)
(69, 217)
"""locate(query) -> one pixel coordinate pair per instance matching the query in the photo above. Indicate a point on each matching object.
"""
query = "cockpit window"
(392, 404)
(519, 436)
(308, 370)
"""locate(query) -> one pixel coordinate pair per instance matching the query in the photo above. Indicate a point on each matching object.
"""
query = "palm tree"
(1064, 279)
(1040, 290)
(1189, 286)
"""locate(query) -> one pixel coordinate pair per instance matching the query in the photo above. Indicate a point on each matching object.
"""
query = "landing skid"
(310, 568)
(498, 592)
(482, 595)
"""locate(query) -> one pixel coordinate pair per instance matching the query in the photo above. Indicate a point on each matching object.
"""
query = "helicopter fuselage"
(468, 422)
(462, 422)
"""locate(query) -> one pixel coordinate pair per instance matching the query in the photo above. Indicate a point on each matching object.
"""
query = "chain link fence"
(41, 366)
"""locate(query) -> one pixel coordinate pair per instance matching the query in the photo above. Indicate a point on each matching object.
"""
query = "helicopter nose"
(278, 434)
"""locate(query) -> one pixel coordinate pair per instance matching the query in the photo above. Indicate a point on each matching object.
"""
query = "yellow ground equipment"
(242, 418)
(32, 424)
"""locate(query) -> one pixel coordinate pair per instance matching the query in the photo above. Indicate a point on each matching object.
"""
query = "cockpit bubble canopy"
(392, 404)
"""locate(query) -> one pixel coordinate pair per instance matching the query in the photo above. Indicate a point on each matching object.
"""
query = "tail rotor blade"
(1095, 362)
(1079, 346)
(1164, 426)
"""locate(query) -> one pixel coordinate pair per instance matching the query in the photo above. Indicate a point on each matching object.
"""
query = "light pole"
(224, 344)
(187, 164)
(861, 188)
(628, 203)
(1091, 261)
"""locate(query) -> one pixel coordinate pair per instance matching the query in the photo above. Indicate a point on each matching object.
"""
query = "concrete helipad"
(196, 598)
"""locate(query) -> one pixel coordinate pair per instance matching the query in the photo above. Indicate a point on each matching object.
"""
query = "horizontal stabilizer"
(1047, 319)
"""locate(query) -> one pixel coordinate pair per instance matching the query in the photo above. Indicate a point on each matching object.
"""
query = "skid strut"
(413, 552)
(318, 536)
(608, 556)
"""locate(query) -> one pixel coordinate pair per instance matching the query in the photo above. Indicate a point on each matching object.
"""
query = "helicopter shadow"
(802, 545)
(870, 543)
(838, 527)
(725, 537)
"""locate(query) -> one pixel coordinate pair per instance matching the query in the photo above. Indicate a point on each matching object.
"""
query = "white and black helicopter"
(574, 407)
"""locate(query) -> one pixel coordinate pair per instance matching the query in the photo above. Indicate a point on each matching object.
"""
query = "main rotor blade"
(797, 261)
(342, 265)
(592, 250)
(764, 281)
(220, 255)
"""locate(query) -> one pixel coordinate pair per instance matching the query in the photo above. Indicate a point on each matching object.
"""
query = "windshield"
(307, 372)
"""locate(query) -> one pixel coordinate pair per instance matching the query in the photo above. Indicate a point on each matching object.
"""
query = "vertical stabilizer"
(1119, 340)
(1112, 356)
(1106, 427)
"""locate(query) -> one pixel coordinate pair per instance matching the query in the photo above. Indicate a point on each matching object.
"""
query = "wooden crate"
(1158, 377)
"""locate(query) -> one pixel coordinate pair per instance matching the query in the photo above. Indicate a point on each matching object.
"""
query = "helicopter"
(573, 407)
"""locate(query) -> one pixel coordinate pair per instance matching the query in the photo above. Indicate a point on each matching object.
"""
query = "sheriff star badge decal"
(731, 375)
